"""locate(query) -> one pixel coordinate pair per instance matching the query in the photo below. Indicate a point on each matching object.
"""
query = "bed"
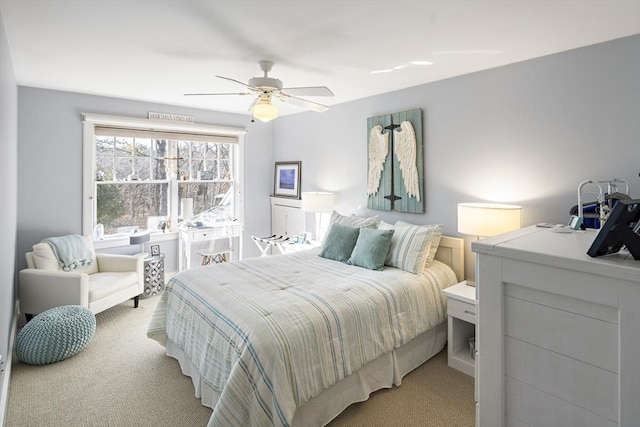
(277, 341)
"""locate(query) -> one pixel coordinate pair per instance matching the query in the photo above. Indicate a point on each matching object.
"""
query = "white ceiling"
(157, 50)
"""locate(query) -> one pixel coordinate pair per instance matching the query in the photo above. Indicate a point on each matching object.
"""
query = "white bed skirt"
(384, 372)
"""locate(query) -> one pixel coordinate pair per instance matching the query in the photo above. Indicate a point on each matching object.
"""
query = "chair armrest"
(40, 290)
(115, 262)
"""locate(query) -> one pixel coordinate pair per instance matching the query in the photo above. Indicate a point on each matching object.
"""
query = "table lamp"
(487, 219)
(139, 239)
(319, 203)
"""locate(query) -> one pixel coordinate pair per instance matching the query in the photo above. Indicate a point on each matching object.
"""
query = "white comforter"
(268, 334)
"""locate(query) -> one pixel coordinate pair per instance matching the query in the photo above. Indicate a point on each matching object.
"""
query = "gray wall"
(8, 195)
(50, 161)
(526, 133)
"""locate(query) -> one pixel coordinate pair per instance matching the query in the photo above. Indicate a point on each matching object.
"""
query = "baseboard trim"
(6, 375)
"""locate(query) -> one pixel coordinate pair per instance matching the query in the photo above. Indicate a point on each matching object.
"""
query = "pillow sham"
(409, 247)
(353, 220)
(435, 231)
(371, 248)
(339, 242)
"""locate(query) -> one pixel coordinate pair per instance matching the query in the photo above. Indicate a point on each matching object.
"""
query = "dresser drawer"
(461, 310)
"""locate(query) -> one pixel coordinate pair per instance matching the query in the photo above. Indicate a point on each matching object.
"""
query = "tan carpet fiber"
(122, 378)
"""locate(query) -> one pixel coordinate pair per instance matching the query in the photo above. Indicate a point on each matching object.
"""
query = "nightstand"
(461, 308)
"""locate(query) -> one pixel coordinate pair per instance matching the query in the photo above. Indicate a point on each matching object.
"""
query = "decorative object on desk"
(487, 219)
(396, 182)
(320, 204)
(155, 250)
(287, 179)
(186, 208)
(575, 222)
(139, 239)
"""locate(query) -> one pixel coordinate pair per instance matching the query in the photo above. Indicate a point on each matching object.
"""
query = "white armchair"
(109, 280)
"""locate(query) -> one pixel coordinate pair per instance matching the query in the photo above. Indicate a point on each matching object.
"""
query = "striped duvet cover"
(268, 334)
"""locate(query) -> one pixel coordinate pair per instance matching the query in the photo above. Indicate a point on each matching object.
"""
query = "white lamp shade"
(317, 201)
(487, 219)
(138, 239)
(264, 110)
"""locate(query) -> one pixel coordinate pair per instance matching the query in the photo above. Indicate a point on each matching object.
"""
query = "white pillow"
(353, 220)
(435, 231)
(45, 259)
(410, 245)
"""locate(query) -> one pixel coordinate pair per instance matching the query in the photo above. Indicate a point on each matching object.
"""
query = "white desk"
(189, 235)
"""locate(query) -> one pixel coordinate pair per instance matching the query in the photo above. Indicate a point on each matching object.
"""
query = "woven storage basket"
(55, 335)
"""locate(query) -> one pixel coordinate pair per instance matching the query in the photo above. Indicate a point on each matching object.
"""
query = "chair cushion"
(107, 283)
(55, 335)
(45, 259)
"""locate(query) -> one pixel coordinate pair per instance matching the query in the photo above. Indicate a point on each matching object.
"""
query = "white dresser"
(558, 332)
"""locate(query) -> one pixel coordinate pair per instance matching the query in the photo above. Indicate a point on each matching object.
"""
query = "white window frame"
(90, 121)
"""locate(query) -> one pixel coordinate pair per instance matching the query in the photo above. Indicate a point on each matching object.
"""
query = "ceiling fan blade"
(251, 106)
(208, 94)
(308, 91)
(237, 81)
(314, 106)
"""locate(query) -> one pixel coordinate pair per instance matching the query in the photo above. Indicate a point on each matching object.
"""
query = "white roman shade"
(169, 135)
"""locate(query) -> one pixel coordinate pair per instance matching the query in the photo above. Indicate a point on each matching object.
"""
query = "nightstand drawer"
(461, 310)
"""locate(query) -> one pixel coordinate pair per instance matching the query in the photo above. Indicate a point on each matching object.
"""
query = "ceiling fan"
(267, 88)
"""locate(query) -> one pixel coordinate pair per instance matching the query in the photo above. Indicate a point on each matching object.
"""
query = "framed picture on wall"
(286, 181)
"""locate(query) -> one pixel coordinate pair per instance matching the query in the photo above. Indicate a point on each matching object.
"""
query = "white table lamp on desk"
(487, 219)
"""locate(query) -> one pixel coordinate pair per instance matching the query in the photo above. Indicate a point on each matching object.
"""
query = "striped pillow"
(411, 245)
(438, 230)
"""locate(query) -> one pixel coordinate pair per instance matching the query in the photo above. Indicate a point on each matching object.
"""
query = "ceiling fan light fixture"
(264, 110)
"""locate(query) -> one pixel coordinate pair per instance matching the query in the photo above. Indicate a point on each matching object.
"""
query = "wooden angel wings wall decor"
(396, 167)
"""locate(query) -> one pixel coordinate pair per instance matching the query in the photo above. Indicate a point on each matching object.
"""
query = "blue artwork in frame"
(287, 179)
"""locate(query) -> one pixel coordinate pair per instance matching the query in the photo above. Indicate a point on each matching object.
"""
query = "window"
(138, 177)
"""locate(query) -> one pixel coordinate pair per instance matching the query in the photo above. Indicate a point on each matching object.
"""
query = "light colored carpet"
(122, 378)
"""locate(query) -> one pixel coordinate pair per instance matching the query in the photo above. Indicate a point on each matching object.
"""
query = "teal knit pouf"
(55, 335)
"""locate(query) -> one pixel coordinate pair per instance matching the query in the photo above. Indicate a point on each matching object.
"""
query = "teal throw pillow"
(371, 248)
(339, 242)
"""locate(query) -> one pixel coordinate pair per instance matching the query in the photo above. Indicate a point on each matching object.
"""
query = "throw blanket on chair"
(71, 251)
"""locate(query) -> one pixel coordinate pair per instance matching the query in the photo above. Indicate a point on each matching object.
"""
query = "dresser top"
(566, 250)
